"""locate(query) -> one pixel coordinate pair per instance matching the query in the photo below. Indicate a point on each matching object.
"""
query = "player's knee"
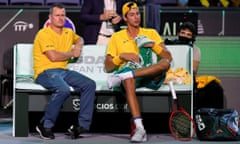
(91, 84)
(64, 91)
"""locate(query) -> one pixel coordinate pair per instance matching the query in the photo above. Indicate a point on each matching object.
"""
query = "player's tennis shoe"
(139, 135)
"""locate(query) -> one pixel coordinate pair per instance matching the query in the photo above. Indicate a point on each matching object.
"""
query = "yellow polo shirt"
(121, 43)
(47, 39)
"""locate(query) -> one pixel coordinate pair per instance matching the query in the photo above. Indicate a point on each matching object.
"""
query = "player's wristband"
(165, 60)
(116, 60)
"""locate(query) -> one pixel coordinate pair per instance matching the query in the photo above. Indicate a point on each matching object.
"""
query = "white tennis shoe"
(139, 135)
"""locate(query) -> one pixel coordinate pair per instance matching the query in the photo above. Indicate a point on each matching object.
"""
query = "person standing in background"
(53, 46)
(101, 19)
(187, 33)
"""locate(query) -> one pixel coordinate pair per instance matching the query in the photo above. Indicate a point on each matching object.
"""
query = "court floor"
(90, 138)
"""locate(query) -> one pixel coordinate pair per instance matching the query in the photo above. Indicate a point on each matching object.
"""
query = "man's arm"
(196, 59)
(109, 65)
(56, 56)
(165, 54)
(112, 63)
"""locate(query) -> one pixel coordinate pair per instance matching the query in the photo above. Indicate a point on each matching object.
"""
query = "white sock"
(138, 122)
(126, 75)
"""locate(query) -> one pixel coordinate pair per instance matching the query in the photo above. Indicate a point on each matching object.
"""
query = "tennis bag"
(217, 124)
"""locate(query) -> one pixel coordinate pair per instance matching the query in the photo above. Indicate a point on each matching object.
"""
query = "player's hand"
(149, 45)
(130, 57)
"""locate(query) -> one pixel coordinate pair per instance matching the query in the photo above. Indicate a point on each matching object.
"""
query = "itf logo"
(22, 26)
(68, 24)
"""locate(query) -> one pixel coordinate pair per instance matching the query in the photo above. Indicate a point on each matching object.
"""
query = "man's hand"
(116, 19)
(76, 50)
(130, 57)
(107, 15)
(149, 45)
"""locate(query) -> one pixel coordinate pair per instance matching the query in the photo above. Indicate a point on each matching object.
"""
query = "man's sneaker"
(75, 131)
(139, 135)
(45, 133)
(113, 80)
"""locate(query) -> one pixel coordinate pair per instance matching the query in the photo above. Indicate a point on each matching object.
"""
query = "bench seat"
(30, 85)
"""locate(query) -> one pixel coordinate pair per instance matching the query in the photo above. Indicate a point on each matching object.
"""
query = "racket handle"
(170, 83)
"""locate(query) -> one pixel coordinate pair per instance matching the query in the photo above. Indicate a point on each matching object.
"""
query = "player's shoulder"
(120, 33)
(148, 30)
(43, 31)
(196, 47)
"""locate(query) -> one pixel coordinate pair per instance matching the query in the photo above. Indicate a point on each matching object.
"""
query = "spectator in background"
(182, 3)
(194, 3)
(208, 3)
(235, 3)
(52, 49)
(187, 35)
(128, 57)
(187, 32)
(101, 19)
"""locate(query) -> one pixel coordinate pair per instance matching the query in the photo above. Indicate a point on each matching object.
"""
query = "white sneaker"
(139, 135)
(113, 80)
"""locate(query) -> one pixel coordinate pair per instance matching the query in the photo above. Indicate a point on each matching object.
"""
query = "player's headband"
(127, 7)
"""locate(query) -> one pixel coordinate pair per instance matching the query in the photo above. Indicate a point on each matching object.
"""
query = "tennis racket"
(181, 124)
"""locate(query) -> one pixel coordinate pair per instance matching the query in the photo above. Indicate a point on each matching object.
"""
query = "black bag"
(217, 124)
(210, 96)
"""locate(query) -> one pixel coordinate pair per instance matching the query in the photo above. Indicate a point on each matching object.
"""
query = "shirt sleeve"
(158, 40)
(196, 54)
(112, 47)
(75, 37)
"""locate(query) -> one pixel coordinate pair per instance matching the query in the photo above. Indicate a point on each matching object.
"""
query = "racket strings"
(181, 125)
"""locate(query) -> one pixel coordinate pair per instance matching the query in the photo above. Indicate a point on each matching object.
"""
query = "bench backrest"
(91, 61)
(23, 60)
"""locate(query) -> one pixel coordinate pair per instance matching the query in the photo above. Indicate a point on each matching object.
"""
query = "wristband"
(116, 60)
(165, 60)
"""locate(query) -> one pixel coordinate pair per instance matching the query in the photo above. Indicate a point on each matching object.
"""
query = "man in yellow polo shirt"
(52, 49)
(129, 56)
